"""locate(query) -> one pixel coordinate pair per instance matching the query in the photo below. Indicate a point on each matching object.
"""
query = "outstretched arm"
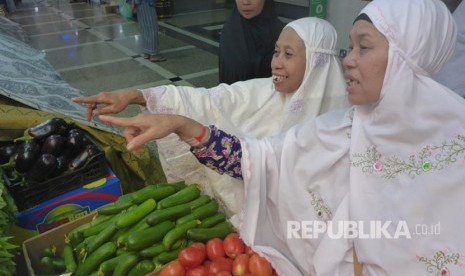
(112, 102)
(214, 148)
(144, 128)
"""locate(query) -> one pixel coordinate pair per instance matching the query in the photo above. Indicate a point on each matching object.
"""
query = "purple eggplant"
(61, 167)
(54, 144)
(26, 155)
(47, 128)
(75, 142)
(82, 158)
(6, 152)
(43, 167)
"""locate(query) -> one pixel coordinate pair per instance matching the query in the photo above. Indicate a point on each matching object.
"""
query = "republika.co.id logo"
(347, 229)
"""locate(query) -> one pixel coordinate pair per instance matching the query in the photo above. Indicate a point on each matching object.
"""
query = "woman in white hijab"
(255, 108)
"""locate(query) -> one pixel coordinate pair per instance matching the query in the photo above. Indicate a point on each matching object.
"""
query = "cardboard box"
(34, 246)
(65, 208)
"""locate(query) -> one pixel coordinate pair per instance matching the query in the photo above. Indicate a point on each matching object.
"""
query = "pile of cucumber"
(141, 231)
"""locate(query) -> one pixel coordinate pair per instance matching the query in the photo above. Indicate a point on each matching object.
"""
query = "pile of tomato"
(218, 257)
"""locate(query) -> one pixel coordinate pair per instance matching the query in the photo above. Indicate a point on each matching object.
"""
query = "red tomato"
(173, 268)
(223, 273)
(233, 245)
(207, 264)
(200, 246)
(240, 265)
(215, 248)
(259, 266)
(219, 264)
(248, 250)
(191, 257)
(197, 271)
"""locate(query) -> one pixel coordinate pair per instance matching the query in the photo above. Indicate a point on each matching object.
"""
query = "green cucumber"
(213, 220)
(201, 212)
(178, 232)
(147, 237)
(101, 238)
(158, 248)
(152, 191)
(170, 213)
(152, 251)
(177, 185)
(185, 195)
(114, 207)
(201, 200)
(142, 268)
(96, 229)
(46, 266)
(126, 263)
(122, 235)
(91, 263)
(220, 230)
(120, 251)
(68, 257)
(74, 238)
(108, 266)
(131, 217)
(167, 256)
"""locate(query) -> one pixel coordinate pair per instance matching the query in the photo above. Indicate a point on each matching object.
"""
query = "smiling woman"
(288, 63)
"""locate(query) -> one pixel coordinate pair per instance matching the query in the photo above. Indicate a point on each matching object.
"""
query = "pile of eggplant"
(46, 151)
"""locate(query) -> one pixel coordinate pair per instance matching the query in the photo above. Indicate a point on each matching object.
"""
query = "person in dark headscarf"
(247, 41)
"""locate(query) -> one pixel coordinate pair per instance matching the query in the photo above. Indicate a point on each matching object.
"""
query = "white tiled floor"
(101, 52)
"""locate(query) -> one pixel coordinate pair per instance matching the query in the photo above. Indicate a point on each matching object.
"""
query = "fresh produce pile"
(218, 257)
(7, 249)
(139, 232)
(47, 152)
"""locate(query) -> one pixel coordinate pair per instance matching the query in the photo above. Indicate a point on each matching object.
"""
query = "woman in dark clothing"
(247, 41)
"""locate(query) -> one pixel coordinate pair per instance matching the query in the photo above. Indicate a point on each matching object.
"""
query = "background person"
(148, 24)
(307, 81)
(247, 41)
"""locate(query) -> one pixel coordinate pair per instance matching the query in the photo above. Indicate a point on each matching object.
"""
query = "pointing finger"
(121, 122)
(90, 109)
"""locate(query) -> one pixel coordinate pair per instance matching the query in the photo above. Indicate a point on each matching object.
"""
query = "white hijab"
(401, 159)
(452, 74)
(323, 86)
(251, 108)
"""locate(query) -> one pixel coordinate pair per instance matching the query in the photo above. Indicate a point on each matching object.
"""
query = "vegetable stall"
(158, 229)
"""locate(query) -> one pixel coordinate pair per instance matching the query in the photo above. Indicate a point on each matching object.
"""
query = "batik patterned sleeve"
(221, 153)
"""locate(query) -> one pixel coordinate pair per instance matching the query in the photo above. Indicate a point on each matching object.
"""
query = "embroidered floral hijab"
(401, 160)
